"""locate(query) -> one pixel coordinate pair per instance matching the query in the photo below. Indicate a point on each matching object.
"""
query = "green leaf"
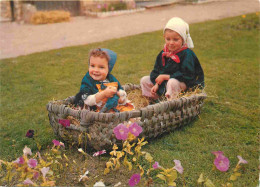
(237, 174)
(201, 179)
(209, 183)
(160, 176)
(233, 177)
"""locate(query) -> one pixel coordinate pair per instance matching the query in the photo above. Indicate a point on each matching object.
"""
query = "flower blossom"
(134, 180)
(84, 175)
(178, 166)
(19, 160)
(222, 163)
(64, 122)
(156, 165)
(217, 153)
(241, 160)
(28, 182)
(121, 132)
(32, 163)
(36, 175)
(57, 143)
(30, 133)
(135, 129)
(44, 171)
(99, 153)
(99, 184)
(27, 151)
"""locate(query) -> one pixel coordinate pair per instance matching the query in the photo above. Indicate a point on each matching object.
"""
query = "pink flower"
(27, 151)
(19, 160)
(36, 175)
(156, 165)
(44, 171)
(28, 182)
(222, 163)
(64, 122)
(135, 129)
(121, 132)
(99, 6)
(57, 143)
(134, 180)
(32, 163)
(241, 160)
(99, 153)
(178, 166)
(217, 153)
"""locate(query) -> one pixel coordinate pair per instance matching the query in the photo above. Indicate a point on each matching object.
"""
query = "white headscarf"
(182, 28)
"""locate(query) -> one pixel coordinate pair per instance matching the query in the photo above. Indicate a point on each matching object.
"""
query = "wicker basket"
(96, 129)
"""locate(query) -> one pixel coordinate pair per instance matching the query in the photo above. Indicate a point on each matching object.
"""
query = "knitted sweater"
(188, 70)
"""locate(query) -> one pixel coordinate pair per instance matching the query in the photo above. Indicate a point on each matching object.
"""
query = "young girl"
(176, 67)
(99, 85)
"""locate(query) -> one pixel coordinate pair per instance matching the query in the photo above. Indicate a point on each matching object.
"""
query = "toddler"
(176, 67)
(99, 85)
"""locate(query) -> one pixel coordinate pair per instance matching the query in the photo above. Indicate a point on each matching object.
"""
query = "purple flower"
(32, 163)
(30, 133)
(44, 171)
(134, 180)
(135, 129)
(241, 160)
(178, 166)
(156, 165)
(99, 153)
(28, 182)
(19, 160)
(121, 132)
(217, 153)
(64, 122)
(57, 143)
(222, 163)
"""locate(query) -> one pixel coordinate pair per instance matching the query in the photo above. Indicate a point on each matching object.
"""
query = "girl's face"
(173, 40)
(98, 68)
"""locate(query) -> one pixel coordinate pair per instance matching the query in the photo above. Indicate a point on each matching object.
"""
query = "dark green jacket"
(188, 70)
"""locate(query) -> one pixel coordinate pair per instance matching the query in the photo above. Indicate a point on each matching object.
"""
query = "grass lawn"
(228, 50)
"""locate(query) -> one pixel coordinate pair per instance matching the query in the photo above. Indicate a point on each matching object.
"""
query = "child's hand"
(122, 97)
(110, 91)
(162, 78)
(154, 89)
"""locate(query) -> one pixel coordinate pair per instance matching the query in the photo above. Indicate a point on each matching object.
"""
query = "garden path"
(22, 39)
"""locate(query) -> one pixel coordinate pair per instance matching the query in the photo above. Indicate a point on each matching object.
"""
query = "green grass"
(229, 120)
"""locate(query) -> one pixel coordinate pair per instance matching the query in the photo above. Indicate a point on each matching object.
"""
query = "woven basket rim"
(128, 114)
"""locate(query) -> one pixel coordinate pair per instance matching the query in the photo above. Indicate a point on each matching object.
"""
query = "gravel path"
(22, 39)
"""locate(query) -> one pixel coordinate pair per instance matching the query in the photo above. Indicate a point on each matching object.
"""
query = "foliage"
(248, 22)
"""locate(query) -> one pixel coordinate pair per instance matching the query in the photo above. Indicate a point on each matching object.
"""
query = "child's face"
(98, 68)
(173, 40)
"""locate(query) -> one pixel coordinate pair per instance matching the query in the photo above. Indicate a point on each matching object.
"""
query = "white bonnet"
(178, 25)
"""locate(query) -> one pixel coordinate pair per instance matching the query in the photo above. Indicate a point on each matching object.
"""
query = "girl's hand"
(154, 89)
(162, 78)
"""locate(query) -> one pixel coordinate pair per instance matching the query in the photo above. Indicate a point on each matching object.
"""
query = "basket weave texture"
(96, 129)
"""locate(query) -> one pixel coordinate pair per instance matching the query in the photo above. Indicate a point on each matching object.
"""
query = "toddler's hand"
(154, 89)
(162, 78)
(110, 91)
